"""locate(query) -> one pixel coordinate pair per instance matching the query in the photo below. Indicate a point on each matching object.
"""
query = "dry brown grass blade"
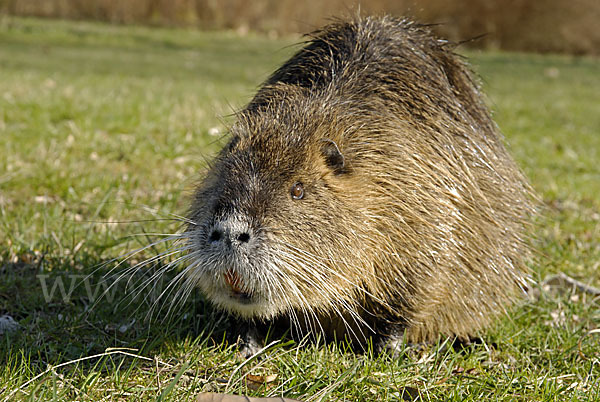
(565, 282)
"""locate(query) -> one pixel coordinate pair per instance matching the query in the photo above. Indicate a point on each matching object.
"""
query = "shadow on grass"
(71, 308)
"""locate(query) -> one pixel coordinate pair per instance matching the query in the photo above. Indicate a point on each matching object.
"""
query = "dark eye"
(297, 191)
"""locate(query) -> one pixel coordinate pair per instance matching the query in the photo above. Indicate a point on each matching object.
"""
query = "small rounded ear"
(333, 157)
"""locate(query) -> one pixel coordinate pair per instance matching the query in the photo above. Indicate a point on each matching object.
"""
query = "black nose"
(230, 232)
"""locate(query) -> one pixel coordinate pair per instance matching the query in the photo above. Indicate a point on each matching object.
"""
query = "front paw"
(249, 342)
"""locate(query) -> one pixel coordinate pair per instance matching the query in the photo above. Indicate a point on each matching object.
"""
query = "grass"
(102, 124)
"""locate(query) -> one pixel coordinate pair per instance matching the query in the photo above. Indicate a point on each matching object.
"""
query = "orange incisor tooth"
(234, 281)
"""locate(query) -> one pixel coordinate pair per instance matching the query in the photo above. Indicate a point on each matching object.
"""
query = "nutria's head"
(273, 214)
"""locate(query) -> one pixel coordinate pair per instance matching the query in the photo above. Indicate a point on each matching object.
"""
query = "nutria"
(365, 193)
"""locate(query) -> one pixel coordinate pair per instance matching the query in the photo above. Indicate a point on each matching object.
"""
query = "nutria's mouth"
(237, 287)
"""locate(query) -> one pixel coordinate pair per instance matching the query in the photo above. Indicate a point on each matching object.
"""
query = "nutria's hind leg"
(463, 345)
(396, 345)
(393, 340)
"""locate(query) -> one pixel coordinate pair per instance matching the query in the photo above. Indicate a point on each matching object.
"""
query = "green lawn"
(103, 133)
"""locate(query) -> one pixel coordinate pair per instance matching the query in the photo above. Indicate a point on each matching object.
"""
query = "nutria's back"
(365, 189)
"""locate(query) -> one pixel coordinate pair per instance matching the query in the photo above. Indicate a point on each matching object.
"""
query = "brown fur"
(413, 217)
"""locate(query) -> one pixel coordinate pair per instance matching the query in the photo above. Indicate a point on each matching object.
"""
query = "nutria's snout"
(230, 242)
